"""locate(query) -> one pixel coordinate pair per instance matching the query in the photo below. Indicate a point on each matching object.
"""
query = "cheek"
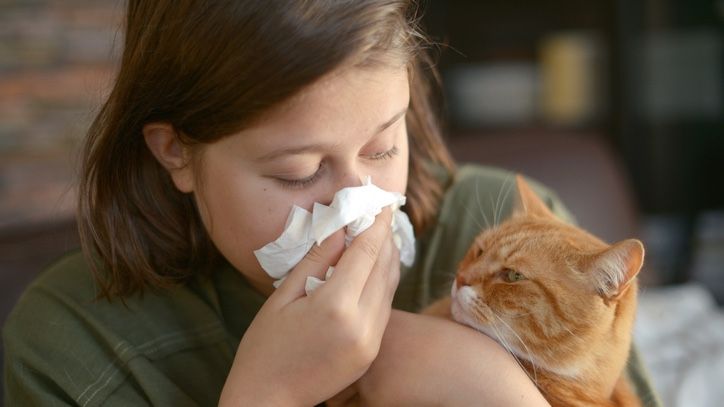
(504, 297)
(393, 177)
(240, 214)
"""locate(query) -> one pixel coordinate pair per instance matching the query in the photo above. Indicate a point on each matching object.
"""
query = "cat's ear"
(529, 202)
(613, 270)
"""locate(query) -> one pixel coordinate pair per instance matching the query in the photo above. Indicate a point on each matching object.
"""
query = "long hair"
(210, 68)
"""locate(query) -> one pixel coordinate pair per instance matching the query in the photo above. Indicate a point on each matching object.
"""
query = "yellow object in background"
(571, 78)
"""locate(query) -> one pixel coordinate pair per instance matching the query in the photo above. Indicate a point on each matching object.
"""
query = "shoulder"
(488, 195)
(69, 275)
(59, 333)
(68, 281)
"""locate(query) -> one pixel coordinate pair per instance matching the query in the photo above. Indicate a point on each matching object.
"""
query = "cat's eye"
(512, 276)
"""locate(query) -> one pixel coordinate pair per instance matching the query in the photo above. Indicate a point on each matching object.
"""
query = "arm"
(425, 360)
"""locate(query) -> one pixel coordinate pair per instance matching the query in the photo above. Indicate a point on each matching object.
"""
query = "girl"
(224, 114)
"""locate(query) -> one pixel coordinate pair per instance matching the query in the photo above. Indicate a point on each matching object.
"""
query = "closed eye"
(308, 181)
(385, 154)
(303, 182)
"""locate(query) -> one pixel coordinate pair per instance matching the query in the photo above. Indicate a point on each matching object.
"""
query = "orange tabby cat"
(561, 300)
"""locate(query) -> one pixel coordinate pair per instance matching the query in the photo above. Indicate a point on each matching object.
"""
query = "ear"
(528, 201)
(163, 141)
(613, 270)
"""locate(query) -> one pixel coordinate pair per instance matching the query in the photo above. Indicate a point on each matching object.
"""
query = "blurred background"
(643, 79)
(618, 105)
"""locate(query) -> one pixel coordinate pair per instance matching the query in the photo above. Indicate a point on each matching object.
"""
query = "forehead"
(372, 90)
(537, 243)
(521, 238)
(350, 101)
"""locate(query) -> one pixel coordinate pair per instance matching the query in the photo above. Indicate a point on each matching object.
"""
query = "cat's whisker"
(478, 313)
(498, 206)
(527, 349)
(480, 205)
(505, 343)
(472, 214)
(509, 183)
(509, 348)
(495, 211)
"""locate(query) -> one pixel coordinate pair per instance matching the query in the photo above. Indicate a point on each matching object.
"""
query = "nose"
(350, 177)
(461, 280)
(346, 178)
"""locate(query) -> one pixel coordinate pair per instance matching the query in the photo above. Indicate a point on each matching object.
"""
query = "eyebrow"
(318, 146)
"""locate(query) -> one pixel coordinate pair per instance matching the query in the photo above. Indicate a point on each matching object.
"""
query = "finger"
(355, 265)
(314, 264)
(376, 303)
(377, 288)
(393, 280)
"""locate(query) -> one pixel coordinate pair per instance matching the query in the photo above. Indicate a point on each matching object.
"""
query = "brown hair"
(209, 68)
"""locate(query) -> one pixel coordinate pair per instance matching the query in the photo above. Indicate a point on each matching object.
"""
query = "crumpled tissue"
(353, 208)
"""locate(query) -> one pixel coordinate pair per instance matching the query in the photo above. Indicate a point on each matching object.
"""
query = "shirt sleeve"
(25, 386)
(63, 347)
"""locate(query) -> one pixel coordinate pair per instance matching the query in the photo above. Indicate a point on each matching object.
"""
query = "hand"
(426, 361)
(301, 350)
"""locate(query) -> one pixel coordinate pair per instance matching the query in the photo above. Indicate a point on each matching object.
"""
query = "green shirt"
(175, 347)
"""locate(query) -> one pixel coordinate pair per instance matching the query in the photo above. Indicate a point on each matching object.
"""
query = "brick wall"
(56, 64)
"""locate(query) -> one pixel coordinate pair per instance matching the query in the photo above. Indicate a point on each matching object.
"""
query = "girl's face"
(345, 126)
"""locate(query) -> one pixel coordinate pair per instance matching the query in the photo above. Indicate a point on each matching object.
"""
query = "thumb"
(314, 264)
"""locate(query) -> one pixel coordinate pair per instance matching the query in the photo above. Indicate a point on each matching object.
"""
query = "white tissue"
(354, 208)
(279, 256)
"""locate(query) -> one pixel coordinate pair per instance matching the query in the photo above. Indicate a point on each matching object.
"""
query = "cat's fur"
(561, 300)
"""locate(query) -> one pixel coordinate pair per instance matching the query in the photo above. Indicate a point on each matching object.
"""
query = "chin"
(461, 309)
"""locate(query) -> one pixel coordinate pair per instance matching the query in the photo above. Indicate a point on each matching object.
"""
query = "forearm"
(431, 361)
(246, 391)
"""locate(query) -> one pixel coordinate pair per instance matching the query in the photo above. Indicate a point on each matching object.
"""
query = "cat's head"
(543, 288)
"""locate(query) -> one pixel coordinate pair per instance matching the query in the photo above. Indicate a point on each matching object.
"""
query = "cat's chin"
(459, 308)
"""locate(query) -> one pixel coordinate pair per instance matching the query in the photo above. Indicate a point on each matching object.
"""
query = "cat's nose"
(460, 280)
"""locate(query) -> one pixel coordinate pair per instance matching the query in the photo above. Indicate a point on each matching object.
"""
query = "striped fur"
(558, 298)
